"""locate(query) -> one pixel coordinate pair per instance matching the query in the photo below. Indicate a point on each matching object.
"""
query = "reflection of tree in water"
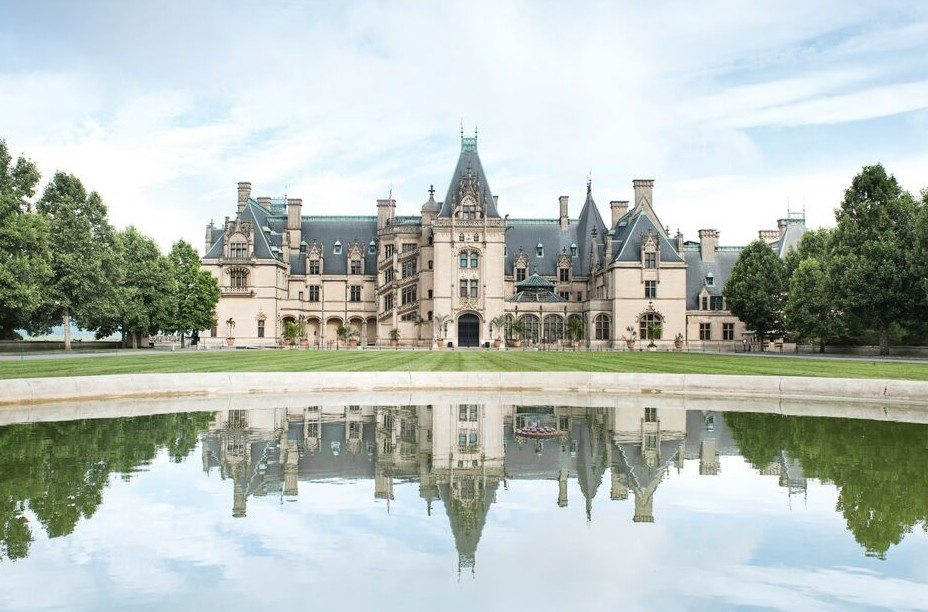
(878, 467)
(58, 470)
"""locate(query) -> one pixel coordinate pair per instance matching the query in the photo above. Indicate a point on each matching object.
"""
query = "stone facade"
(460, 273)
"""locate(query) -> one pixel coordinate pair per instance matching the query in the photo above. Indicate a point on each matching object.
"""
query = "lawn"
(450, 360)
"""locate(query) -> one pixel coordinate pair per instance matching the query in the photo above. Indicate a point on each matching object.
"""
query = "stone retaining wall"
(20, 392)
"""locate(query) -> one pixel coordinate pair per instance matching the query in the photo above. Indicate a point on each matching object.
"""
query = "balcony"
(404, 255)
(237, 291)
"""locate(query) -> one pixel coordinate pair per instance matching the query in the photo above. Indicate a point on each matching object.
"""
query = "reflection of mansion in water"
(460, 454)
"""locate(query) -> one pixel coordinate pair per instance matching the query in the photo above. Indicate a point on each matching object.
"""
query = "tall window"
(238, 278)
(463, 259)
(651, 327)
(388, 302)
(260, 328)
(314, 266)
(650, 259)
(705, 331)
(728, 331)
(650, 415)
(238, 250)
(716, 302)
(564, 275)
(603, 327)
(474, 287)
(520, 274)
(469, 209)
(409, 268)
(355, 266)
(705, 303)
(554, 328)
(355, 293)
(313, 293)
(531, 327)
(474, 259)
(388, 275)
(462, 287)
(650, 289)
(408, 295)
(388, 250)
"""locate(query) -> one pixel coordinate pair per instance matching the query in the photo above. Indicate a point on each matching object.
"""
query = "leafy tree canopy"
(195, 291)
(756, 288)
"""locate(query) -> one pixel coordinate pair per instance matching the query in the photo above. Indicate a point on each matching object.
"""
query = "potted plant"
(500, 324)
(419, 322)
(347, 335)
(292, 332)
(630, 339)
(441, 324)
(652, 329)
(394, 337)
(230, 339)
(574, 330)
(517, 329)
(678, 341)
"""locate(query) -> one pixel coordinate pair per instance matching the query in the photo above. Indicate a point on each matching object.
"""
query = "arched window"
(579, 324)
(651, 326)
(509, 320)
(531, 327)
(554, 328)
(603, 327)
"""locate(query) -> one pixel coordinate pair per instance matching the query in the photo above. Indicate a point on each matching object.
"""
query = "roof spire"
(589, 183)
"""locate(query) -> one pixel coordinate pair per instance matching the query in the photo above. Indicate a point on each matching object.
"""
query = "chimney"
(385, 211)
(781, 226)
(265, 202)
(209, 236)
(769, 236)
(608, 247)
(294, 213)
(643, 192)
(708, 241)
(563, 214)
(619, 208)
(244, 192)
(680, 242)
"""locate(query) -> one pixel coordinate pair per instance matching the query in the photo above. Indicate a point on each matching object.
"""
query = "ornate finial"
(431, 191)
(462, 129)
(475, 131)
(589, 182)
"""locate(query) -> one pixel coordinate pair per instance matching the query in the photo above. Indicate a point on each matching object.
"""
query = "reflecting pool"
(463, 507)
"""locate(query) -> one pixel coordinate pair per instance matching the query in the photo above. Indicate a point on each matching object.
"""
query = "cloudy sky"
(737, 110)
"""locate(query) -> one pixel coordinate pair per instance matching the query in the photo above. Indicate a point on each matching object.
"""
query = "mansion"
(459, 273)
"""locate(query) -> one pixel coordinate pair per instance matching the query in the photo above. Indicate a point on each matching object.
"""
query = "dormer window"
(238, 249)
(539, 250)
(469, 208)
(710, 280)
(650, 260)
(371, 247)
(573, 250)
(337, 249)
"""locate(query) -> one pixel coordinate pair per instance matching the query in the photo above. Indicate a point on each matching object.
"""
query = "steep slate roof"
(629, 233)
(524, 235)
(469, 162)
(329, 230)
(697, 269)
(795, 228)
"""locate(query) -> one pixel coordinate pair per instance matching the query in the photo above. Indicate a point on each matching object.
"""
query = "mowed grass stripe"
(461, 361)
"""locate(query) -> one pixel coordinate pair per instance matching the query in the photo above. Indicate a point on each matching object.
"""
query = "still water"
(463, 507)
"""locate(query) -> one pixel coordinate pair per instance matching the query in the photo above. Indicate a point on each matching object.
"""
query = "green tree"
(756, 289)
(809, 311)
(57, 471)
(814, 244)
(870, 270)
(24, 269)
(195, 292)
(84, 261)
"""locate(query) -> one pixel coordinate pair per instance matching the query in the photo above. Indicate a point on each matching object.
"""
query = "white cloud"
(336, 103)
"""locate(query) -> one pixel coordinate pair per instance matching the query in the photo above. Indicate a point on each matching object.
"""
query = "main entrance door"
(468, 330)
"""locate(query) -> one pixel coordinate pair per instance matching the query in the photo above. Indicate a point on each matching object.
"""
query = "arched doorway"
(468, 330)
